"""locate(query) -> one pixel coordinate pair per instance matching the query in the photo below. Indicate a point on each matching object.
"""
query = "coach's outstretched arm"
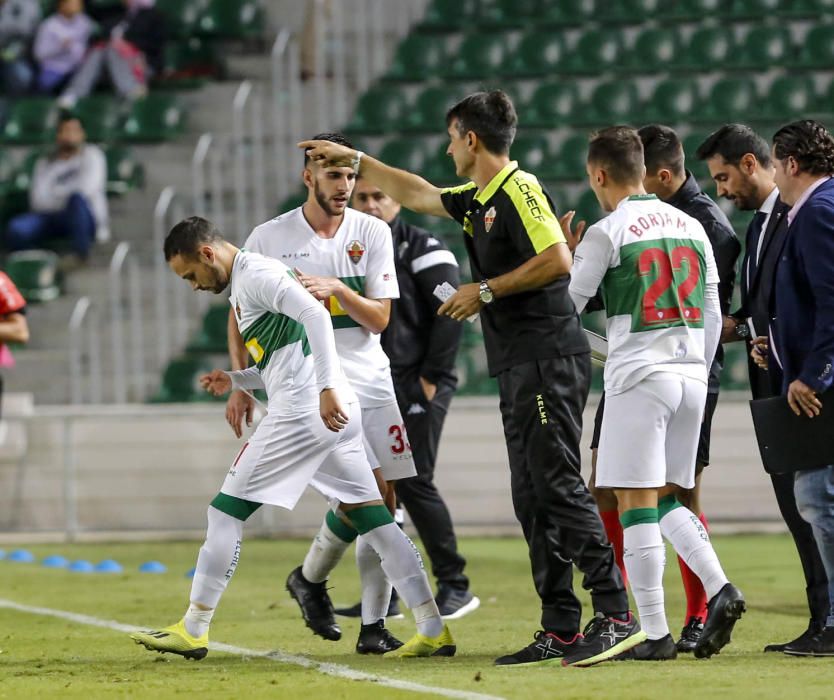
(411, 190)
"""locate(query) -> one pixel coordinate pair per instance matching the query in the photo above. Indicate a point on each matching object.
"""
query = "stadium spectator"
(540, 356)
(60, 45)
(422, 347)
(802, 322)
(18, 23)
(130, 53)
(13, 325)
(739, 161)
(667, 178)
(67, 198)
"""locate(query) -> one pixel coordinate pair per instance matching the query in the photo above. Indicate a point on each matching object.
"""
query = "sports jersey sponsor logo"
(431, 241)
(355, 251)
(489, 218)
(542, 411)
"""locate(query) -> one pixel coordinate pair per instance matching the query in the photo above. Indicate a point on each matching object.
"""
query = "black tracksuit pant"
(424, 424)
(541, 405)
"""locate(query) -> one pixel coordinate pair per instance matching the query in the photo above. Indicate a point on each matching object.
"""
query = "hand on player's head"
(328, 153)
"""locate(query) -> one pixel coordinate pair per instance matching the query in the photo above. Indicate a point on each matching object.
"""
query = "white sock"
(690, 539)
(376, 591)
(326, 550)
(645, 557)
(197, 620)
(403, 566)
(216, 563)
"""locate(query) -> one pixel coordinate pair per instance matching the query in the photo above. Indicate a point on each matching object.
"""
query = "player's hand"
(239, 407)
(429, 389)
(320, 287)
(331, 411)
(572, 237)
(758, 351)
(803, 399)
(728, 329)
(334, 154)
(463, 303)
(216, 382)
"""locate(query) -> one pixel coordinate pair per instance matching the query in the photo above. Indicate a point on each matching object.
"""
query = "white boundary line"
(330, 669)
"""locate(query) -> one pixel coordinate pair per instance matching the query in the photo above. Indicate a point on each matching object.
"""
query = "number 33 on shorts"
(399, 439)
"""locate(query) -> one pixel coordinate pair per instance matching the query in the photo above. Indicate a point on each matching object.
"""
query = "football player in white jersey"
(655, 269)
(345, 259)
(309, 436)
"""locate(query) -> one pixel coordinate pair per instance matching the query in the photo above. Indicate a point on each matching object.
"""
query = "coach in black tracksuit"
(422, 347)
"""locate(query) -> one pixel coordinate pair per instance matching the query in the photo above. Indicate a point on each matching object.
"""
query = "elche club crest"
(355, 251)
(489, 218)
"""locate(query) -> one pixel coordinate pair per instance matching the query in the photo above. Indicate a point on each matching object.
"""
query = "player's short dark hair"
(333, 137)
(491, 115)
(661, 149)
(188, 235)
(619, 150)
(67, 115)
(732, 142)
(809, 143)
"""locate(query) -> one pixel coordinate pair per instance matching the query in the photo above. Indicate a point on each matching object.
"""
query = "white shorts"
(386, 442)
(288, 453)
(650, 433)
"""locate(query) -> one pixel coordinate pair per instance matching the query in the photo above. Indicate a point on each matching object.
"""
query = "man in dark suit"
(802, 322)
(740, 163)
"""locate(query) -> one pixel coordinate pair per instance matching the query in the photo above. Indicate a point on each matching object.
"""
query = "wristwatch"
(485, 293)
(742, 331)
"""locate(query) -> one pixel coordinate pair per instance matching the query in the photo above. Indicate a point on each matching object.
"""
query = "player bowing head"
(197, 252)
(330, 184)
(615, 158)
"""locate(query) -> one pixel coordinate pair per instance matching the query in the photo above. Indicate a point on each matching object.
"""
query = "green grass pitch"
(46, 657)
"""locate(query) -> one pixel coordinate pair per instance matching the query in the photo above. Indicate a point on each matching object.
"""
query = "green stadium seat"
(189, 64)
(533, 153)
(440, 168)
(381, 109)
(790, 97)
(101, 116)
(690, 10)
(730, 99)
(7, 167)
(418, 56)
(35, 274)
(567, 13)
(743, 10)
(242, 19)
(124, 172)
(449, 15)
(509, 14)
(588, 208)
(628, 11)
(654, 50)
(573, 154)
(154, 118)
(597, 50)
(552, 105)
(22, 176)
(690, 143)
(180, 381)
(540, 53)
(805, 8)
(479, 55)
(428, 114)
(672, 101)
(764, 47)
(182, 16)
(817, 50)
(212, 334)
(406, 153)
(735, 376)
(611, 102)
(294, 201)
(709, 48)
(31, 120)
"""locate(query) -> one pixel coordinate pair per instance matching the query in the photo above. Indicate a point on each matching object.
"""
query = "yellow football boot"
(173, 640)
(420, 645)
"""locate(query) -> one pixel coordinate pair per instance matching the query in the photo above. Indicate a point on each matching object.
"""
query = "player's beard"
(323, 202)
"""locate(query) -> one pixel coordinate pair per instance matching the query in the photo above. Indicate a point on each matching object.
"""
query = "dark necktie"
(754, 234)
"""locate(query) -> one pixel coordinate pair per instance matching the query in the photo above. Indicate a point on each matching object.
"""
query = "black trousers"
(426, 507)
(541, 406)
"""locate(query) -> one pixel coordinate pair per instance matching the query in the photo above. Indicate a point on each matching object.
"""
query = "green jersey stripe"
(272, 332)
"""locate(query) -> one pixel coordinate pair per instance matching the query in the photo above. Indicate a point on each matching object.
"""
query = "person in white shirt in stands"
(67, 198)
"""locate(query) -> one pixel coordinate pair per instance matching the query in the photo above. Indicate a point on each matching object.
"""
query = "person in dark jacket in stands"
(422, 347)
(129, 52)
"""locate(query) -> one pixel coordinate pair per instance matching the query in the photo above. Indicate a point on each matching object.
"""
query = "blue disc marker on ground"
(190, 573)
(21, 556)
(153, 567)
(81, 566)
(109, 566)
(2, 553)
(55, 561)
